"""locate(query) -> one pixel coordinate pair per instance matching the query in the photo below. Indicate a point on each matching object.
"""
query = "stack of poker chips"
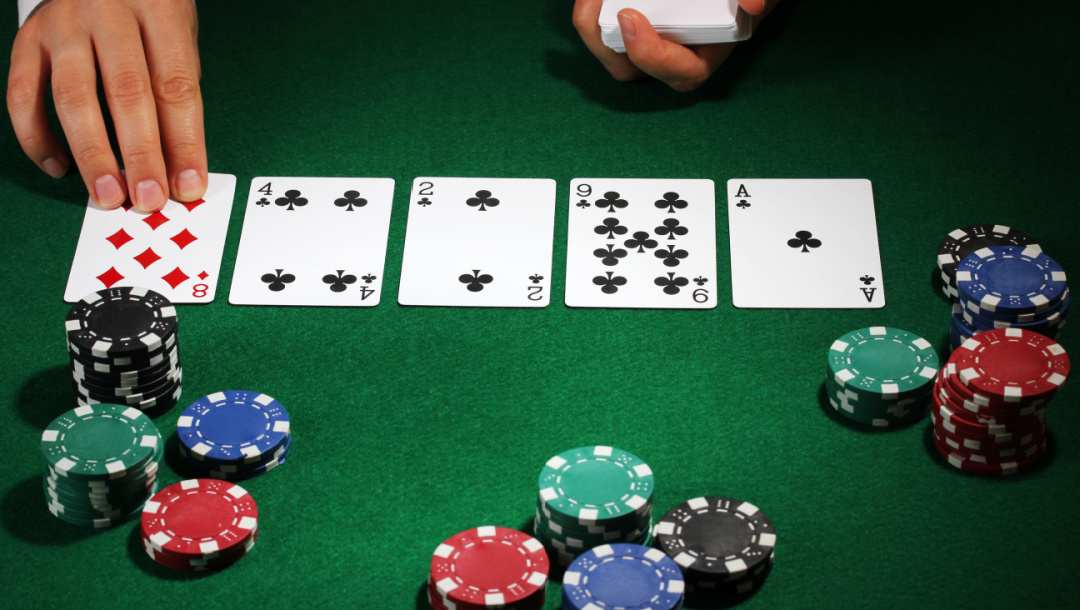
(959, 243)
(488, 567)
(1009, 287)
(991, 398)
(591, 496)
(197, 525)
(623, 576)
(724, 546)
(881, 376)
(123, 348)
(102, 463)
(234, 435)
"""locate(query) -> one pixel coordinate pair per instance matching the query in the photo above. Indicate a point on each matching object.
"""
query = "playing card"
(479, 242)
(804, 244)
(313, 241)
(175, 251)
(641, 243)
(688, 22)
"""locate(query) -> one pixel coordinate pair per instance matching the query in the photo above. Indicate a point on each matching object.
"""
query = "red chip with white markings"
(489, 566)
(1012, 363)
(199, 517)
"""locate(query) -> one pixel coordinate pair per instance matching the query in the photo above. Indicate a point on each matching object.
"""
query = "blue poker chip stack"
(1007, 286)
(234, 435)
(625, 576)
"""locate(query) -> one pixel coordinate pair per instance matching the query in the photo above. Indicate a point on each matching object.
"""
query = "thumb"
(754, 7)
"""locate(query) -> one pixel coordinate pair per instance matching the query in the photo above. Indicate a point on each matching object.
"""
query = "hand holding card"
(175, 251)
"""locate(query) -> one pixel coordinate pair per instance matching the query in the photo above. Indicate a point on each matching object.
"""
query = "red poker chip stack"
(990, 400)
(488, 567)
(198, 525)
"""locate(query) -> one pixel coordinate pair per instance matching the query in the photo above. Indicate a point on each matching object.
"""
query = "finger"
(74, 88)
(586, 15)
(680, 67)
(126, 80)
(26, 106)
(173, 56)
(754, 7)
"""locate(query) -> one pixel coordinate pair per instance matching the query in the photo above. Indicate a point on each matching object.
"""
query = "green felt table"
(414, 423)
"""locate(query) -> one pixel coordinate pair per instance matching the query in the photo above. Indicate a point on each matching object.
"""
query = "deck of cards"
(688, 22)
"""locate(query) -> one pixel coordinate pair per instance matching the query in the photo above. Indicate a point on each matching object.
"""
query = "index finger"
(586, 22)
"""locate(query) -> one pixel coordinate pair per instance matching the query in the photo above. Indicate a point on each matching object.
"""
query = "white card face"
(804, 244)
(313, 242)
(479, 242)
(641, 243)
(175, 251)
(677, 13)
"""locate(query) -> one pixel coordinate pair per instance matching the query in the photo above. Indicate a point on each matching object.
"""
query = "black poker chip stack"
(124, 349)
(724, 546)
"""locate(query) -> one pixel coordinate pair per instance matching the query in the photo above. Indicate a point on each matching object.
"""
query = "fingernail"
(107, 192)
(148, 195)
(627, 26)
(189, 185)
(54, 167)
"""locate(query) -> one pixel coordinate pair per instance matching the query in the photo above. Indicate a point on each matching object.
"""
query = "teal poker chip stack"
(101, 464)
(880, 376)
(592, 496)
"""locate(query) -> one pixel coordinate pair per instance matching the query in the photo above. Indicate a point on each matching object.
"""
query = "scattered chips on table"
(197, 525)
(123, 348)
(881, 376)
(488, 567)
(234, 434)
(991, 397)
(590, 496)
(102, 463)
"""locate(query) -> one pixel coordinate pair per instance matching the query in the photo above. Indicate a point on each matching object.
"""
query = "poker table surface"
(411, 424)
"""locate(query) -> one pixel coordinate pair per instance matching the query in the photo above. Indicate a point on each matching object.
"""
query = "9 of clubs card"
(175, 251)
(804, 244)
(478, 242)
(641, 243)
(313, 241)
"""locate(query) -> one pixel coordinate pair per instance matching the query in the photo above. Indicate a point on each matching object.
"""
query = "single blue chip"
(1010, 280)
(625, 576)
(234, 426)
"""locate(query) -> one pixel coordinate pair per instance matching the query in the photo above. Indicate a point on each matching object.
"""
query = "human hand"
(682, 68)
(147, 54)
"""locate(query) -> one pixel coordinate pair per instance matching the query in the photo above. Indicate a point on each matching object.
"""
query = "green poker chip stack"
(590, 496)
(881, 376)
(101, 464)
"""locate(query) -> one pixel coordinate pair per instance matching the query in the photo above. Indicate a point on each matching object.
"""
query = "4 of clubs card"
(641, 243)
(313, 241)
(804, 244)
(478, 242)
(175, 251)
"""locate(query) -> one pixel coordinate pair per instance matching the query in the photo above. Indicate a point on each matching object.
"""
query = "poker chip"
(623, 577)
(199, 524)
(1012, 363)
(122, 344)
(591, 496)
(488, 567)
(234, 434)
(101, 464)
(961, 242)
(880, 376)
(1011, 280)
(991, 397)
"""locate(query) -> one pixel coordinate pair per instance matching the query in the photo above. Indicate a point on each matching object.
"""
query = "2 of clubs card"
(313, 241)
(804, 244)
(641, 243)
(478, 242)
